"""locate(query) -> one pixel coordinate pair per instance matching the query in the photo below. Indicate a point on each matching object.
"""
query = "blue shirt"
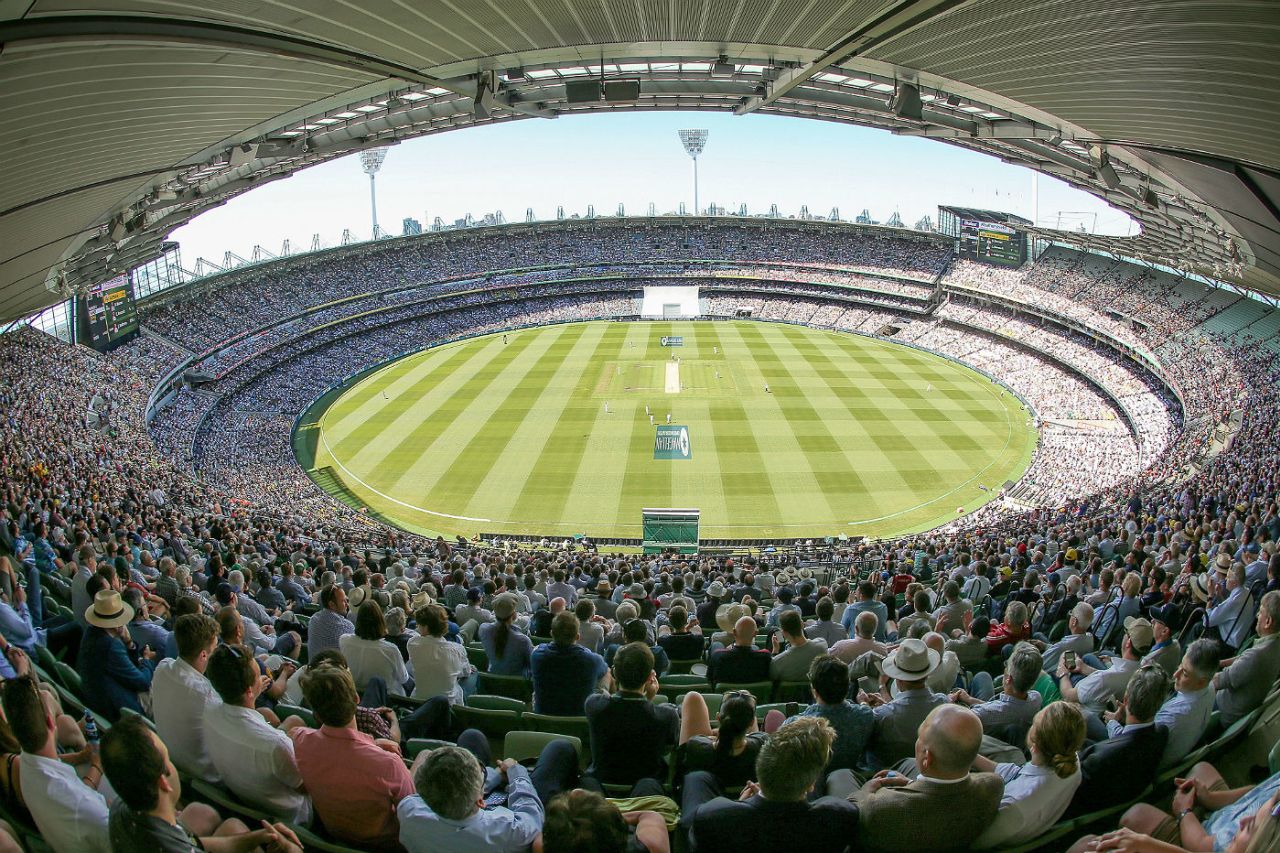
(877, 607)
(514, 659)
(563, 678)
(1186, 716)
(324, 630)
(17, 628)
(502, 830)
(148, 633)
(853, 724)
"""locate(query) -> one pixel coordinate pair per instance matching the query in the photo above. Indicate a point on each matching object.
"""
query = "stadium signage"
(672, 341)
(672, 442)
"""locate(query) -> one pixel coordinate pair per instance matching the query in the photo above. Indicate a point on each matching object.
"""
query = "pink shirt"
(354, 784)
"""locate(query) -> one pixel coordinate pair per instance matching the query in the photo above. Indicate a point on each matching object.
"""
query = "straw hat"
(1199, 587)
(357, 597)
(727, 615)
(108, 610)
(716, 590)
(911, 661)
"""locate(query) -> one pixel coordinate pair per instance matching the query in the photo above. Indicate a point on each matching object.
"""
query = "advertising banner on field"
(672, 340)
(672, 442)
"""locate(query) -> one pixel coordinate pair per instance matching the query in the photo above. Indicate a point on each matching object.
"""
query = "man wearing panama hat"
(112, 673)
(898, 720)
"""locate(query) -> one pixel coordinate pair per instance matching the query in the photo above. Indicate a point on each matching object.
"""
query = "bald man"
(741, 663)
(946, 807)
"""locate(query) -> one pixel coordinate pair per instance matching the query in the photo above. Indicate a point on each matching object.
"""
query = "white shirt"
(437, 666)
(256, 761)
(179, 695)
(1105, 684)
(1034, 799)
(369, 658)
(71, 816)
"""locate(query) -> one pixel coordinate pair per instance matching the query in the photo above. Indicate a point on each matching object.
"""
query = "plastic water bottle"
(91, 731)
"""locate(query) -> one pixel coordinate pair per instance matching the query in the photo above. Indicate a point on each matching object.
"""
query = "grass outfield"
(856, 436)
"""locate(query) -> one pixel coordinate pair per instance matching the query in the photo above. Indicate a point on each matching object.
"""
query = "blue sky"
(635, 158)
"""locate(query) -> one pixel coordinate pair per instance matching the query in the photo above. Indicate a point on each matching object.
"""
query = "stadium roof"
(986, 215)
(120, 121)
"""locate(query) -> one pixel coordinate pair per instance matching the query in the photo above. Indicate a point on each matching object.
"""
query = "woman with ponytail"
(729, 752)
(1037, 794)
(507, 649)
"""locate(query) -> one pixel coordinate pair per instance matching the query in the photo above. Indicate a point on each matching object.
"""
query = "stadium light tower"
(694, 141)
(371, 161)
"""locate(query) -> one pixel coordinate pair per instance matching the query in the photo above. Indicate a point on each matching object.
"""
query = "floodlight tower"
(694, 141)
(371, 161)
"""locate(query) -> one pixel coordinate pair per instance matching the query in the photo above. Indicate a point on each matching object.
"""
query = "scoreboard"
(992, 243)
(108, 315)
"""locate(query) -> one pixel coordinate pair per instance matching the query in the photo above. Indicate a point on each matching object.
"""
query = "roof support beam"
(898, 19)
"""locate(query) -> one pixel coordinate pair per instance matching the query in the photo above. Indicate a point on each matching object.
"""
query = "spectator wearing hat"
(1077, 638)
(507, 648)
(113, 669)
(564, 673)
(716, 593)
(1186, 713)
(1166, 652)
(1117, 769)
(741, 663)
(1249, 677)
(1100, 686)
(898, 718)
(1232, 614)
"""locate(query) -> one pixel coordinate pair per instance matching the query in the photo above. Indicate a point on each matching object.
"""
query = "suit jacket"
(110, 678)
(1116, 770)
(927, 815)
(828, 824)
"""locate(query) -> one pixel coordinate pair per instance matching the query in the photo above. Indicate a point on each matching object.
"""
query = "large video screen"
(992, 243)
(108, 315)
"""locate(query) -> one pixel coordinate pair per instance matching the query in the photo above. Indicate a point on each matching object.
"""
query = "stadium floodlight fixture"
(694, 141)
(371, 161)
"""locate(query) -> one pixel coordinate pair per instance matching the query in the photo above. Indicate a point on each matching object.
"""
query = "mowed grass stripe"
(415, 461)
(801, 496)
(487, 433)
(744, 492)
(554, 441)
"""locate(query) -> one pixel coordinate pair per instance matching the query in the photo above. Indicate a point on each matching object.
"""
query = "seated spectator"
(1186, 714)
(1117, 769)
(326, 628)
(355, 782)
(947, 675)
(681, 644)
(540, 623)
(255, 759)
(1015, 628)
(590, 628)
(142, 630)
(1076, 639)
(630, 734)
(370, 655)
(507, 648)
(1007, 715)
(1166, 651)
(971, 647)
(231, 632)
(439, 666)
(830, 632)
(775, 815)
(448, 813)
(898, 719)
(564, 673)
(896, 813)
(584, 822)
(145, 817)
(113, 669)
(1037, 794)
(950, 616)
(1208, 815)
(1100, 686)
(784, 605)
(793, 664)
(1232, 605)
(915, 611)
(1249, 677)
(67, 809)
(728, 752)
(853, 723)
(741, 663)
(398, 633)
(472, 611)
(180, 693)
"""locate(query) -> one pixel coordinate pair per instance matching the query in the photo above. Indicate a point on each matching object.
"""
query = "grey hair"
(865, 624)
(1146, 693)
(396, 621)
(450, 780)
(1024, 667)
(1203, 657)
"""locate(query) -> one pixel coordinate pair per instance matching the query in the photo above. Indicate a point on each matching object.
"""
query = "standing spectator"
(564, 673)
(355, 783)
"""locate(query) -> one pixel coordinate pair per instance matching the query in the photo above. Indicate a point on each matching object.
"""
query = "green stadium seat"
(764, 709)
(495, 703)
(677, 680)
(284, 711)
(793, 691)
(228, 803)
(477, 658)
(683, 667)
(70, 679)
(129, 712)
(576, 726)
(45, 658)
(1273, 760)
(415, 745)
(515, 686)
(526, 746)
(495, 723)
(762, 690)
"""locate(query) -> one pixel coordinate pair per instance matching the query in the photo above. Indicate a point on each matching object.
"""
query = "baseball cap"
(1169, 614)
(1072, 555)
(1139, 630)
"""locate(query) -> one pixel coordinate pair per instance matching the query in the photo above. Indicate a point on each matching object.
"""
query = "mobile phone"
(1069, 658)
